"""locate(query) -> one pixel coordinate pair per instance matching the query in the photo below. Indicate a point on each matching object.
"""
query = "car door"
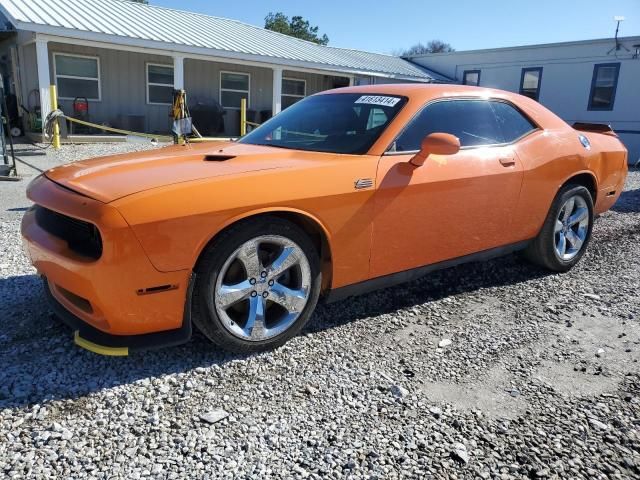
(452, 205)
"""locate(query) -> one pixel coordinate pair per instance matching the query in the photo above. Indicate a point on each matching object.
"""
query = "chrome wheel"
(262, 288)
(571, 228)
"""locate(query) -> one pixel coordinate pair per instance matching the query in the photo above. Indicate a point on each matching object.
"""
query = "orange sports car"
(346, 191)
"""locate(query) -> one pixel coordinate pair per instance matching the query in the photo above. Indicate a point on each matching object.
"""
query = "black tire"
(541, 250)
(205, 317)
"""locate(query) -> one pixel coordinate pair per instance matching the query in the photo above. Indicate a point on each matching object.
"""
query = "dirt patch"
(491, 394)
(598, 351)
(566, 380)
(606, 342)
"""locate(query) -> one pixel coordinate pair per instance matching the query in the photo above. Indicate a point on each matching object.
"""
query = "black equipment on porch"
(13, 114)
(208, 115)
(81, 112)
(8, 169)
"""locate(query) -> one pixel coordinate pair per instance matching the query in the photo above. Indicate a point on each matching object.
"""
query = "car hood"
(109, 178)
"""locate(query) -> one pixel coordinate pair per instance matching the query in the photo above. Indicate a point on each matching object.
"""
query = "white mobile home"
(588, 81)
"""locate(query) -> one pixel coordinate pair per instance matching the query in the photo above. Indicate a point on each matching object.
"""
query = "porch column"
(351, 81)
(178, 72)
(277, 90)
(44, 78)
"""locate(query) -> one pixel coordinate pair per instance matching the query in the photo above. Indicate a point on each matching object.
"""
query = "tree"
(434, 46)
(296, 27)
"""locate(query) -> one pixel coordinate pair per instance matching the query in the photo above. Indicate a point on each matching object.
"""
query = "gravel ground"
(488, 370)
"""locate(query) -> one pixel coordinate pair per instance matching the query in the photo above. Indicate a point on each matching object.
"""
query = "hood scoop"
(218, 158)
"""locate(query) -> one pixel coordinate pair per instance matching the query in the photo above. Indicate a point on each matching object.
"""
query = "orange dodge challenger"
(346, 191)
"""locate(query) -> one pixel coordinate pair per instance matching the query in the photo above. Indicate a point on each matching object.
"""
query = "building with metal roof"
(125, 57)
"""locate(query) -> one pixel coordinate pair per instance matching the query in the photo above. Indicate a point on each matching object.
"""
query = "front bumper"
(116, 297)
(97, 341)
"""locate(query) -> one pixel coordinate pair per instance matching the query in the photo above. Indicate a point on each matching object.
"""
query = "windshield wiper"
(276, 146)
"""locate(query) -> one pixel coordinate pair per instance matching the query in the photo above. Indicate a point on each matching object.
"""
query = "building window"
(603, 86)
(77, 76)
(358, 81)
(293, 90)
(530, 82)
(159, 84)
(471, 77)
(233, 87)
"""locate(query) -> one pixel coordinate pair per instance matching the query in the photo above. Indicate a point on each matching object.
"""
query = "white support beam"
(44, 77)
(178, 72)
(277, 90)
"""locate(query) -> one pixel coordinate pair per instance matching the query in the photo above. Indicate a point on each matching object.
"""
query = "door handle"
(507, 161)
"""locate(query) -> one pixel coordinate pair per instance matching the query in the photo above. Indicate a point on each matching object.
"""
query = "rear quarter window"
(513, 124)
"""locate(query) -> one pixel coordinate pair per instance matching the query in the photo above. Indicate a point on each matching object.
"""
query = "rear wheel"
(257, 285)
(566, 232)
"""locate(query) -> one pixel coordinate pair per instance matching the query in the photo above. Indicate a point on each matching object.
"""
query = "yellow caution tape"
(160, 138)
(208, 139)
(99, 349)
(120, 131)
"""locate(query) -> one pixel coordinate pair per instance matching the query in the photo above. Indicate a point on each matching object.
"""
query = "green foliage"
(295, 27)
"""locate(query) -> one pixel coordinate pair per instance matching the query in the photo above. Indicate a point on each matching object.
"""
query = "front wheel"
(566, 232)
(257, 285)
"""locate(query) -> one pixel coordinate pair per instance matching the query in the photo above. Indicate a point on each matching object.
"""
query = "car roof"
(424, 91)
(421, 93)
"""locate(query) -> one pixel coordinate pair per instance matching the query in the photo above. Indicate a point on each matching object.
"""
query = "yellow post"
(54, 106)
(243, 117)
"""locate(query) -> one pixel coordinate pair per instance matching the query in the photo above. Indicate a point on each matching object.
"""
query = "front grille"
(82, 237)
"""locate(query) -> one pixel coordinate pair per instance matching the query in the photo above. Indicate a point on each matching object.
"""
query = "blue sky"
(391, 25)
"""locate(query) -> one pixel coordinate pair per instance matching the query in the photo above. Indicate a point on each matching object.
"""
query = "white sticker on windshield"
(378, 100)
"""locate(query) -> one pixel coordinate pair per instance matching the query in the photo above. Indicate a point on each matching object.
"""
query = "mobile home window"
(603, 86)
(530, 82)
(77, 76)
(293, 90)
(233, 88)
(159, 84)
(471, 77)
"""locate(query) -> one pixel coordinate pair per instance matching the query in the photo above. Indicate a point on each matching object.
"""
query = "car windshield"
(347, 123)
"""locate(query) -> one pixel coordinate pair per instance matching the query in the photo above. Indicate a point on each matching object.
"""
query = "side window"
(512, 123)
(472, 121)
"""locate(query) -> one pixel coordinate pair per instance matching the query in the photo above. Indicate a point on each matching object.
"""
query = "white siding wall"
(566, 79)
(123, 85)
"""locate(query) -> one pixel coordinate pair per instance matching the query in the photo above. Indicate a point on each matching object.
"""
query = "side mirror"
(436, 144)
